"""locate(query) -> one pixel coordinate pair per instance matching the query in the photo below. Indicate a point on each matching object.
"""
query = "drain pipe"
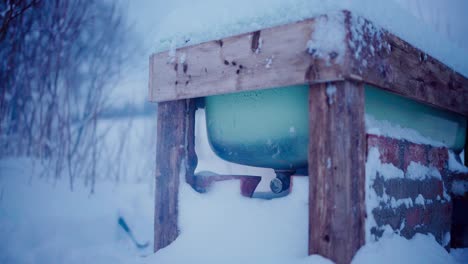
(282, 180)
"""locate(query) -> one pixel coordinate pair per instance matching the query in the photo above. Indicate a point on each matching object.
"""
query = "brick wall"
(410, 205)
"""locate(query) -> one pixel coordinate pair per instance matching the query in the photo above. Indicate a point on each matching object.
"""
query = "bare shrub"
(58, 62)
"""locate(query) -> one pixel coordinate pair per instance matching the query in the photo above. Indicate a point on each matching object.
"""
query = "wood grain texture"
(382, 59)
(192, 159)
(337, 153)
(174, 158)
(278, 56)
(466, 149)
(262, 59)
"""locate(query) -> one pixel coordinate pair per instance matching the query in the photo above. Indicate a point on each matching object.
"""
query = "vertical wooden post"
(336, 170)
(174, 155)
(466, 148)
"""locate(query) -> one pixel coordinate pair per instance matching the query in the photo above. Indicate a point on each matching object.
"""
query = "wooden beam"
(262, 59)
(174, 158)
(279, 56)
(191, 159)
(382, 59)
(466, 148)
(336, 170)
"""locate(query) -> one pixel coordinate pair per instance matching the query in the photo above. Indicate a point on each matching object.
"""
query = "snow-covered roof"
(214, 19)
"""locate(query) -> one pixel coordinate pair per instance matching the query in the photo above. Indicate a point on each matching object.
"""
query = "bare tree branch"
(58, 62)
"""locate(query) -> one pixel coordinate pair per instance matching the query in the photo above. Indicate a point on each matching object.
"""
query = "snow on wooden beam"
(382, 59)
(263, 59)
(339, 46)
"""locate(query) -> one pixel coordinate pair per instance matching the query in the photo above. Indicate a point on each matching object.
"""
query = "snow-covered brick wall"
(408, 189)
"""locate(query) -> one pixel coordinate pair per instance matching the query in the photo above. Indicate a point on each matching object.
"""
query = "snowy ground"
(42, 221)
(45, 223)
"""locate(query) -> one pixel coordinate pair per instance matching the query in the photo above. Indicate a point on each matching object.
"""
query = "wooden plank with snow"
(382, 59)
(339, 46)
(336, 170)
(263, 59)
(175, 157)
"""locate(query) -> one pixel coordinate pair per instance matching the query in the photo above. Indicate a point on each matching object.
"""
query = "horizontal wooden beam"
(263, 59)
(382, 59)
(334, 47)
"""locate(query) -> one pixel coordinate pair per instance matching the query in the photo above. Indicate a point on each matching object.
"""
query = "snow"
(42, 221)
(396, 249)
(455, 165)
(374, 165)
(375, 168)
(357, 41)
(394, 203)
(182, 58)
(269, 61)
(387, 170)
(328, 37)
(259, 45)
(446, 240)
(189, 24)
(459, 187)
(417, 171)
(275, 231)
(420, 200)
(459, 254)
(247, 229)
(387, 129)
(331, 91)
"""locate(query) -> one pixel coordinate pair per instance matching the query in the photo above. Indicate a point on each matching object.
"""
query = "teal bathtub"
(269, 128)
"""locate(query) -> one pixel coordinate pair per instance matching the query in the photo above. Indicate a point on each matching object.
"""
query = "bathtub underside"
(270, 128)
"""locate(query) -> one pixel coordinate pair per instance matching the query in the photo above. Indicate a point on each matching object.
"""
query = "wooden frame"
(287, 55)
(279, 57)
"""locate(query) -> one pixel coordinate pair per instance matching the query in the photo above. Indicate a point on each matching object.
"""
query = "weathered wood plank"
(337, 154)
(466, 149)
(279, 57)
(380, 58)
(192, 159)
(175, 137)
(263, 59)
